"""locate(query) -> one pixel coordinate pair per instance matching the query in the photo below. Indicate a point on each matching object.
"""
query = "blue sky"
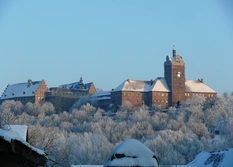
(108, 42)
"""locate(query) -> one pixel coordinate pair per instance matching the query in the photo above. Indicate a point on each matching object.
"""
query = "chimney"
(201, 80)
(29, 82)
(151, 82)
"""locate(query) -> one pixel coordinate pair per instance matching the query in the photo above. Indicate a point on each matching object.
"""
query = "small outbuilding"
(16, 152)
(131, 152)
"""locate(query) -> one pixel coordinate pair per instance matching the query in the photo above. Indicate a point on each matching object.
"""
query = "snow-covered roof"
(213, 159)
(20, 90)
(105, 95)
(160, 84)
(134, 85)
(99, 98)
(20, 129)
(76, 85)
(132, 153)
(11, 135)
(197, 86)
(86, 165)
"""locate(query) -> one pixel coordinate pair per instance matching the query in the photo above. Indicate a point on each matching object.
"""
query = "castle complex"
(62, 97)
(164, 91)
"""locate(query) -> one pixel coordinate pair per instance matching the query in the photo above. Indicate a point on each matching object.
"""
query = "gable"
(20, 129)
(160, 85)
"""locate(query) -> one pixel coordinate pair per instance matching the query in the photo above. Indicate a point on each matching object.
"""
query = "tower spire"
(81, 79)
(174, 50)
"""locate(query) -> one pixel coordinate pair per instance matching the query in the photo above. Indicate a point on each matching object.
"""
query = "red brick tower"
(174, 73)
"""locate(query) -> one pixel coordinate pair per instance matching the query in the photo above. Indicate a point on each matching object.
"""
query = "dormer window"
(178, 74)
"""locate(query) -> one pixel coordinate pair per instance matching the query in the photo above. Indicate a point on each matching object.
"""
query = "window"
(162, 94)
(178, 74)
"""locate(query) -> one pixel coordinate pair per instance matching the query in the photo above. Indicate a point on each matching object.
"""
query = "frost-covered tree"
(88, 108)
(127, 105)
(171, 146)
(84, 134)
(81, 101)
(6, 118)
(47, 108)
(91, 148)
(15, 107)
(9, 111)
(32, 108)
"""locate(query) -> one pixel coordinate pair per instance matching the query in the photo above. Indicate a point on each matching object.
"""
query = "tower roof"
(175, 57)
